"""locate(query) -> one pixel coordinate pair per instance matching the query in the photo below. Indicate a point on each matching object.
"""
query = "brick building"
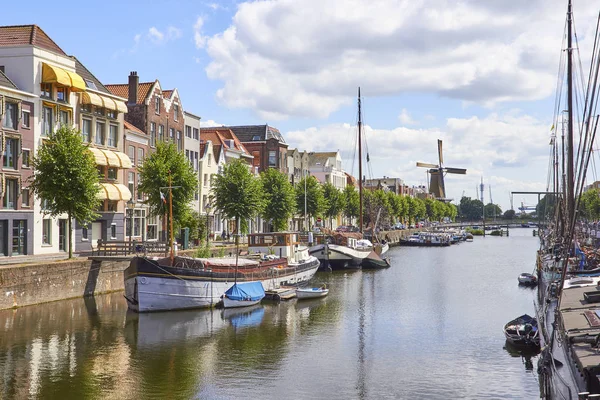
(265, 144)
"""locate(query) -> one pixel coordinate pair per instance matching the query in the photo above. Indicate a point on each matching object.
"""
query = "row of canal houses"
(42, 88)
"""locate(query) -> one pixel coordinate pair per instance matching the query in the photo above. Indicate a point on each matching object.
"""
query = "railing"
(124, 248)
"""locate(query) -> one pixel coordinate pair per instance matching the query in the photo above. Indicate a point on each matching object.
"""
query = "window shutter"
(19, 113)
(2, 139)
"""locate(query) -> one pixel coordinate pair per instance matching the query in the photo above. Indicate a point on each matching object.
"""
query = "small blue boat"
(243, 294)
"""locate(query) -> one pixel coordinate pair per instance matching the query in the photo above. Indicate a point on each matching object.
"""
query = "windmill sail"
(436, 174)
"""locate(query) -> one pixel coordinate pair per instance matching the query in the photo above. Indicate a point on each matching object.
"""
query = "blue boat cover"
(246, 291)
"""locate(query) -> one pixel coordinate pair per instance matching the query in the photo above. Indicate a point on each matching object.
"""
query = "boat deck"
(281, 293)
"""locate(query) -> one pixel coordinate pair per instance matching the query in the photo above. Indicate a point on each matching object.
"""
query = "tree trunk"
(69, 233)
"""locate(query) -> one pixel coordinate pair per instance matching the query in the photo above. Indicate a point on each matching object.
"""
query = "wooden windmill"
(437, 173)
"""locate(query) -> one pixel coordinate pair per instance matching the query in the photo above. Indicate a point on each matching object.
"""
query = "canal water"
(429, 327)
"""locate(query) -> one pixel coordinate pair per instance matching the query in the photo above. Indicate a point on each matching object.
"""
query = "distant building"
(297, 165)
(387, 184)
(266, 145)
(327, 168)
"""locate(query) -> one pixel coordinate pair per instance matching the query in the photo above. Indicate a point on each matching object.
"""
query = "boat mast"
(570, 173)
(360, 188)
(171, 216)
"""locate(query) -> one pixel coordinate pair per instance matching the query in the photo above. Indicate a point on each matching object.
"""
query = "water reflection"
(527, 355)
(244, 317)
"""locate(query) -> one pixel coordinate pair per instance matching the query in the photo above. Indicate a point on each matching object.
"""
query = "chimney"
(134, 81)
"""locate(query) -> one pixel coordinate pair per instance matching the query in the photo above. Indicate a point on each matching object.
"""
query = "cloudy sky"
(480, 75)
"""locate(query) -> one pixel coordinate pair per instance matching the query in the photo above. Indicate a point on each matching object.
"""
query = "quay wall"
(24, 285)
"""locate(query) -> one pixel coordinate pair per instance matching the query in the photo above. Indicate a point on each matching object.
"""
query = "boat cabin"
(279, 244)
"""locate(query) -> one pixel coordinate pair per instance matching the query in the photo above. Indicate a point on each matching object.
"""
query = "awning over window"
(114, 191)
(110, 158)
(52, 74)
(103, 101)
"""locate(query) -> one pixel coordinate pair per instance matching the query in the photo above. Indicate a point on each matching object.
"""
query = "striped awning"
(114, 192)
(103, 101)
(53, 74)
(110, 158)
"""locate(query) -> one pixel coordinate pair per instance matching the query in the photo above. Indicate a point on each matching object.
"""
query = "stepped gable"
(122, 90)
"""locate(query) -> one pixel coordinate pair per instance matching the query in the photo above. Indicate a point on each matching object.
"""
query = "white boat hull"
(149, 292)
(339, 256)
(230, 303)
(311, 293)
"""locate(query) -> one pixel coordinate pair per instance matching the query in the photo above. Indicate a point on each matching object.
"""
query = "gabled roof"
(167, 93)
(320, 158)
(256, 133)
(122, 90)
(133, 128)
(91, 82)
(18, 35)
(6, 82)
(218, 136)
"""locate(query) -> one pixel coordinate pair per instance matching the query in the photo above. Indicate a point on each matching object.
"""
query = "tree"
(546, 206)
(66, 179)
(351, 202)
(509, 214)
(395, 203)
(279, 198)
(237, 194)
(334, 200)
(589, 204)
(154, 174)
(492, 210)
(315, 201)
(192, 220)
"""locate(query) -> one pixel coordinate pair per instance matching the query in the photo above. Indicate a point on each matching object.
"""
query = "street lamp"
(130, 207)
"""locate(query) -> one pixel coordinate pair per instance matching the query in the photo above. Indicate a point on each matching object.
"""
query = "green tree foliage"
(471, 209)
(492, 210)
(420, 209)
(196, 224)
(589, 204)
(374, 203)
(351, 202)
(237, 194)
(509, 214)
(395, 202)
(334, 200)
(315, 201)
(279, 198)
(154, 174)
(546, 206)
(451, 211)
(66, 179)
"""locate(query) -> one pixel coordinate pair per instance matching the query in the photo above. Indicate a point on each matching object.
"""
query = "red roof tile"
(18, 35)
(122, 90)
(219, 135)
(167, 93)
(132, 127)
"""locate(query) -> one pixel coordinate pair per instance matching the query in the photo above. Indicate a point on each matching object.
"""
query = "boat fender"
(143, 280)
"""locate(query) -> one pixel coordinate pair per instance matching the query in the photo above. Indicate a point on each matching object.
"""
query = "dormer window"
(255, 138)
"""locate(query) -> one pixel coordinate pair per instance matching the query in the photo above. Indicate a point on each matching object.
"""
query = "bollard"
(583, 395)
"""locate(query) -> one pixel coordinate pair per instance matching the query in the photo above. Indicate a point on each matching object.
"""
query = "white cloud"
(209, 124)
(507, 145)
(305, 59)
(157, 37)
(405, 118)
(199, 39)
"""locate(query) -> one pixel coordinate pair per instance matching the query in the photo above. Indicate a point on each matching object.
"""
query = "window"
(152, 134)
(140, 156)
(11, 148)
(161, 133)
(113, 231)
(26, 119)
(196, 195)
(99, 132)
(204, 201)
(187, 156)
(10, 115)
(256, 160)
(86, 108)
(272, 158)
(188, 131)
(99, 111)
(25, 198)
(131, 153)
(196, 136)
(172, 134)
(26, 158)
(255, 138)
(65, 117)
(131, 182)
(62, 94)
(139, 220)
(86, 130)
(46, 90)
(179, 141)
(10, 194)
(84, 232)
(152, 229)
(175, 112)
(47, 231)
(209, 158)
(157, 105)
(100, 171)
(111, 205)
(19, 237)
(111, 114)
(112, 173)
(205, 180)
(113, 134)
(140, 195)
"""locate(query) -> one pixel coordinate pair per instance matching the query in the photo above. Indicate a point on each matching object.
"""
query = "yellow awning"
(92, 98)
(110, 158)
(52, 74)
(98, 156)
(121, 106)
(114, 192)
(124, 158)
(109, 103)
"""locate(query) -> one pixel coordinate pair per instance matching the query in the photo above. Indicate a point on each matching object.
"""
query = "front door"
(19, 237)
(96, 233)
(3, 237)
(62, 235)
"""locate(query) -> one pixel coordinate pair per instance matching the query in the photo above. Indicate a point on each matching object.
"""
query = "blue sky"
(479, 75)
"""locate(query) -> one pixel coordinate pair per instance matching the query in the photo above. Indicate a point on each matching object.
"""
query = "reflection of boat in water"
(526, 354)
(244, 317)
(151, 329)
